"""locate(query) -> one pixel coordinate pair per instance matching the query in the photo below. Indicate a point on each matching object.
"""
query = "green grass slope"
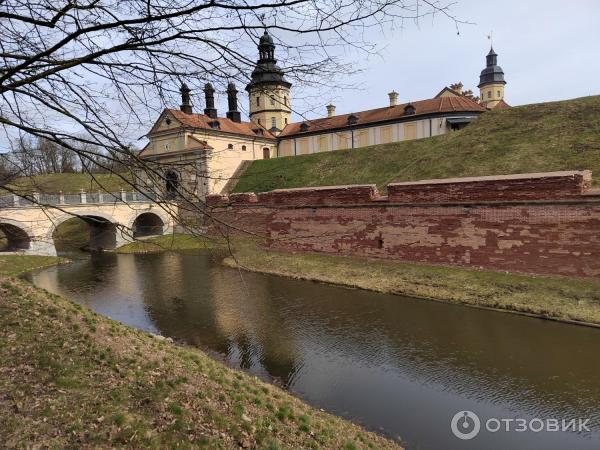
(71, 183)
(532, 138)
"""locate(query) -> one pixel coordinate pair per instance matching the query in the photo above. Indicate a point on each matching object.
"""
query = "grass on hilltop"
(71, 183)
(533, 138)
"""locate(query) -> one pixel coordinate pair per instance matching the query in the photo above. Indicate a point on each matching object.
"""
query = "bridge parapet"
(36, 199)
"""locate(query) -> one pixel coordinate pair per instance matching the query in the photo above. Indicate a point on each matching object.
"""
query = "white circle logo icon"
(465, 425)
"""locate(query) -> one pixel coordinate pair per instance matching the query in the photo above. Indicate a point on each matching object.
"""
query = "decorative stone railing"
(81, 198)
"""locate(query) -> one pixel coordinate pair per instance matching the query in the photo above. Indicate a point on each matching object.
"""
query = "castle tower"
(268, 91)
(491, 81)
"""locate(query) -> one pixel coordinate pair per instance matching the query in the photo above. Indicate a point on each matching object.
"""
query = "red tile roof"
(459, 104)
(501, 105)
(225, 125)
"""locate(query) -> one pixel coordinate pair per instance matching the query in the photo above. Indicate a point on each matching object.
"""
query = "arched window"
(243, 148)
(489, 94)
(171, 183)
(266, 153)
(273, 122)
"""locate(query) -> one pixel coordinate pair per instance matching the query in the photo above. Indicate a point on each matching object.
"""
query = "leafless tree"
(94, 74)
(38, 156)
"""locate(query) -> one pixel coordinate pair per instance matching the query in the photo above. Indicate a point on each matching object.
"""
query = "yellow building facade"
(197, 154)
(491, 82)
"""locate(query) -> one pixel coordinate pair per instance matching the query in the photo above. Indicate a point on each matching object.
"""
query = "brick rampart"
(538, 223)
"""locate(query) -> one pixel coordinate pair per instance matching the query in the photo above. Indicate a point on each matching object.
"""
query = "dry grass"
(13, 265)
(532, 138)
(549, 297)
(72, 183)
(70, 378)
(170, 242)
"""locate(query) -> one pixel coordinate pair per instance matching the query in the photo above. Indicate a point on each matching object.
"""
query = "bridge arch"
(148, 223)
(104, 233)
(17, 236)
(151, 216)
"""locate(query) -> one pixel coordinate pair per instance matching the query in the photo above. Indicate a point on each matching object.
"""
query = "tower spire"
(491, 81)
(268, 89)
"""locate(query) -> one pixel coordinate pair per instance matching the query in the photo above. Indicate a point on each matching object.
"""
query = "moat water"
(397, 365)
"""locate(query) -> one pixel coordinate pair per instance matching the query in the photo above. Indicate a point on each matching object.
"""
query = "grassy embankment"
(533, 138)
(13, 265)
(549, 297)
(70, 183)
(70, 378)
(170, 242)
(544, 296)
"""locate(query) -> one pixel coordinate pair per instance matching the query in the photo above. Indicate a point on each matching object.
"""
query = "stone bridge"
(28, 223)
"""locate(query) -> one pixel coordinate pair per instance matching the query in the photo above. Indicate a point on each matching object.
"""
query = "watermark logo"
(465, 425)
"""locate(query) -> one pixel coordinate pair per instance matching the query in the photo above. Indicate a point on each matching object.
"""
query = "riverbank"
(557, 298)
(70, 378)
(171, 242)
(14, 265)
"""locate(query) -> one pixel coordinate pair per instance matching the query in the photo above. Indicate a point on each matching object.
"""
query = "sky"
(549, 50)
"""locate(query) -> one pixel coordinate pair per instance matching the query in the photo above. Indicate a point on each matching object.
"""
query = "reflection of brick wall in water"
(539, 223)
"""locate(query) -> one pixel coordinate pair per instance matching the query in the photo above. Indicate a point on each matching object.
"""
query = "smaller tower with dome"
(268, 90)
(491, 82)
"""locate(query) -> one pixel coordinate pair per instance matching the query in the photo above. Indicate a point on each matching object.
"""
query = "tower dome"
(491, 81)
(268, 89)
(492, 73)
(266, 70)
(266, 38)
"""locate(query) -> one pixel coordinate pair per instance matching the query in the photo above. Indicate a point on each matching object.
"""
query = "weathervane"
(491, 38)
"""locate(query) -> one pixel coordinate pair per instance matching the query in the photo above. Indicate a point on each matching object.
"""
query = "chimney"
(209, 96)
(233, 113)
(393, 98)
(186, 106)
(330, 110)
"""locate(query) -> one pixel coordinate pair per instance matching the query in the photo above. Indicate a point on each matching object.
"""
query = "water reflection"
(397, 364)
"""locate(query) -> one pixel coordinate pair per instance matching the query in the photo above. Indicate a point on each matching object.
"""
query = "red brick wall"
(539, 223)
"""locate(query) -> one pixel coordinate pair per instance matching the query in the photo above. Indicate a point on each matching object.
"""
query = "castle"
(200, 154)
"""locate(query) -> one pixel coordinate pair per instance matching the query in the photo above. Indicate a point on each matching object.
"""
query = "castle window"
(285, 100)
(230, 146)
(352, 119)
(304, 126)
(257, 101)
(259, 122)
(498, 94)
(489, 94)
(285, 120)
(272, 100)
(409, 110)
(243, 148)
(273, 122)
